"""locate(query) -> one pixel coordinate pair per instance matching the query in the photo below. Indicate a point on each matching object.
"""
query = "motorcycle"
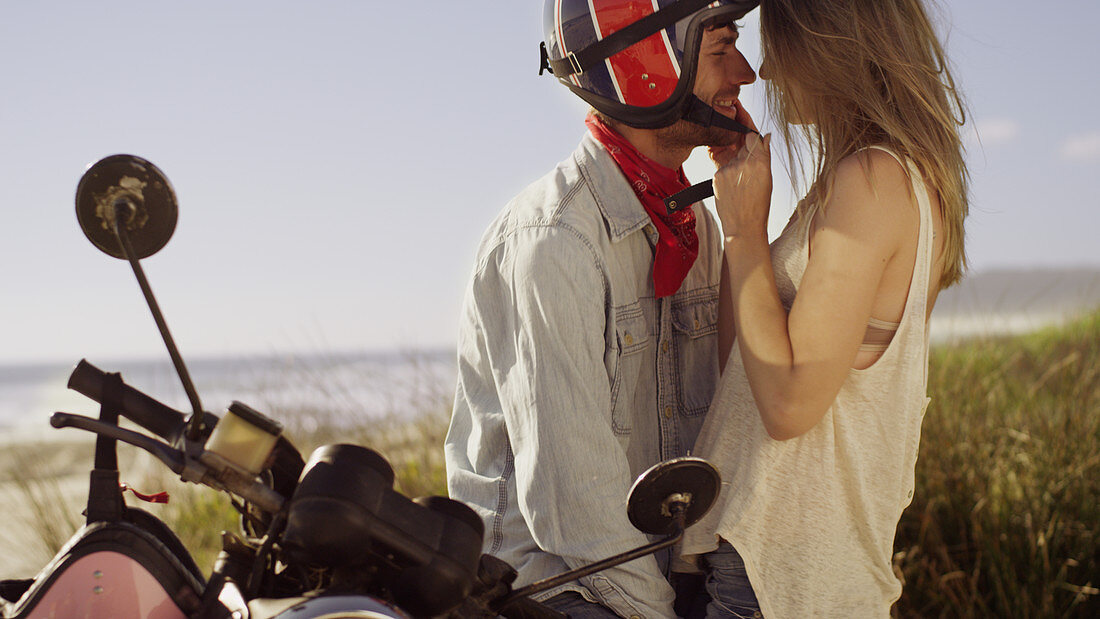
(320, 538)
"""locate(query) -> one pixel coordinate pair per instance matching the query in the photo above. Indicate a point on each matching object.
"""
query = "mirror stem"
(679, 512)
(123, 210)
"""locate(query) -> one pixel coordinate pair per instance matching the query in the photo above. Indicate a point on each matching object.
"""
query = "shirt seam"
(552, 222)
(502, 500)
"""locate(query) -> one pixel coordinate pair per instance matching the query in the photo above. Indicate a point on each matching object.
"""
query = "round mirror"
(690, 481)
(133, 181)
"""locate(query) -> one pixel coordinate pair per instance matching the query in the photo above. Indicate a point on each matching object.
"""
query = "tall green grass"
(1005, 518)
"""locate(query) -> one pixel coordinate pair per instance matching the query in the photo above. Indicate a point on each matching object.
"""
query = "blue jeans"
(731, 595)
(573, 604)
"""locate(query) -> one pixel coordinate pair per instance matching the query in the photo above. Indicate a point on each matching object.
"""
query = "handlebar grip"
(526, 608)
(164, 421)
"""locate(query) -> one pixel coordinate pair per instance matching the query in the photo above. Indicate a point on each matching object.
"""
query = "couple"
(597, 323)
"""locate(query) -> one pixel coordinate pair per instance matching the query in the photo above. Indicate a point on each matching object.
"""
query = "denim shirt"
(573, 378)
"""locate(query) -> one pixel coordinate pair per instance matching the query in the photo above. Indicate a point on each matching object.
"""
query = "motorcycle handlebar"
(164, 421)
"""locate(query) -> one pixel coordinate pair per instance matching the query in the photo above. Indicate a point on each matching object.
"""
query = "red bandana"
(677, 243)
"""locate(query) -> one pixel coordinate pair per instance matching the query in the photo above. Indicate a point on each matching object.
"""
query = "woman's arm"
(727, 333)
(796, 364)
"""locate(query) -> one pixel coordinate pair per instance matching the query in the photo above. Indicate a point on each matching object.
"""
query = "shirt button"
(668, 412)
(649, 229)
(910, 494)
(664, 347)
(696, 324)
(629, 339)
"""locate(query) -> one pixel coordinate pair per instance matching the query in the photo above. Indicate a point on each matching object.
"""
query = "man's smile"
(727, 106)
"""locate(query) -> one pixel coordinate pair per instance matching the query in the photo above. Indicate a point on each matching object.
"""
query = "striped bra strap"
(878, 335)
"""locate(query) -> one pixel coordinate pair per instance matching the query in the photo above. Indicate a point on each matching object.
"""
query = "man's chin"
(722, 137)
(684, 133)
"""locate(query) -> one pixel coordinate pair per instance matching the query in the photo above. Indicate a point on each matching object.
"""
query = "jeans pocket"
(728, 585)
(729, 598)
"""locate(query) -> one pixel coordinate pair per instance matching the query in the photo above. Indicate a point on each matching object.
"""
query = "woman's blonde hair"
(864, 72)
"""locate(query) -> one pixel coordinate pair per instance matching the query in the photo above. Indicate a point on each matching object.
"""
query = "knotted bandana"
(677, 243)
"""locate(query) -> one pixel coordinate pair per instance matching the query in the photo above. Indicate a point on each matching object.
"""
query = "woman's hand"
(743, 187)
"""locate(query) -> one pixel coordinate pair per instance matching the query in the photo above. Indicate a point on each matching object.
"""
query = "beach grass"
(1005, 518)
(42, 490)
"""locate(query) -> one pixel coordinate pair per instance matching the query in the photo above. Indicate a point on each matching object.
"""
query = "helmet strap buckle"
(577, 68)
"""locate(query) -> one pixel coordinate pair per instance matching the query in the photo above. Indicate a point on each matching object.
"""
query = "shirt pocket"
(695, 326)
(632, 341)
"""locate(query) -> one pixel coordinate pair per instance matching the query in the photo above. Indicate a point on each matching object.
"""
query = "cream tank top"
(814, 517)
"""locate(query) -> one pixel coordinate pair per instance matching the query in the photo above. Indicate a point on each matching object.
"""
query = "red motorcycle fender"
(112, 569)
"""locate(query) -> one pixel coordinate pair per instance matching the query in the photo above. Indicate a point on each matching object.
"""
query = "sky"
(336, 162)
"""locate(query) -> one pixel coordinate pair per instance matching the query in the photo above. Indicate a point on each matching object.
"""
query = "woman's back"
(886, 174)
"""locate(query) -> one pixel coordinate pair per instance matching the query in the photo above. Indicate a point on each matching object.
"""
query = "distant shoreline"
(950, 328)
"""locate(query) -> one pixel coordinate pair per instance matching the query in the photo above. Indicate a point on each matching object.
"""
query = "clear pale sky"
(336, 162)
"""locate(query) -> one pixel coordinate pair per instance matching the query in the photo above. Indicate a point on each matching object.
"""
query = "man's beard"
(685, 134)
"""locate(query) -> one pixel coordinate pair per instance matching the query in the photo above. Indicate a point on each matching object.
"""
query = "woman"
(816, 423)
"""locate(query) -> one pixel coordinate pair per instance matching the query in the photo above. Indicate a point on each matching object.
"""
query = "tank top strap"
(888, 151)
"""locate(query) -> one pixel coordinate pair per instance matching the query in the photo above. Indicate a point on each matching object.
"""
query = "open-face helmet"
(635, 60)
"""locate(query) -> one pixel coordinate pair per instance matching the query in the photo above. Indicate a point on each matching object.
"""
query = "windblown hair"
(863, 72)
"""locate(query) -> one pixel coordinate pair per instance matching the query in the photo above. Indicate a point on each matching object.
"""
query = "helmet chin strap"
(703, 115)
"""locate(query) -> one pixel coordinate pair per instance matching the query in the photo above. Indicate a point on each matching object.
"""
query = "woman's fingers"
(767, 146)
(761, 148)
(752, 142)
(744, 118)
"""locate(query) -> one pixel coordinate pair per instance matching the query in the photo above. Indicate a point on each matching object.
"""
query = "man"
(587, 345)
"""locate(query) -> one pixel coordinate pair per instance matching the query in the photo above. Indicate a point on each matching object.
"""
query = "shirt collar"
(621, 209)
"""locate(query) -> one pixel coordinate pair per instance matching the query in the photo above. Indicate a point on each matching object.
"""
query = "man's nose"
(741, 72)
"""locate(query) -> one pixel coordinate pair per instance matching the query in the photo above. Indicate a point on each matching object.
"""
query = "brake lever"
(204, 467)
(172, 458)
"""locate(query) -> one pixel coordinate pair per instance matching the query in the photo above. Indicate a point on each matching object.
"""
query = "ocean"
(298, 390)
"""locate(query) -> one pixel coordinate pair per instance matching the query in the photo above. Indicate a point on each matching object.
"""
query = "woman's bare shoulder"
(871, 170)
(870, 191)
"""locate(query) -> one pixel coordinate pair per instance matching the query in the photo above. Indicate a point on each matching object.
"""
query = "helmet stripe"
(561, 38)
(668, 43)
(594, 7)
(660, 73)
